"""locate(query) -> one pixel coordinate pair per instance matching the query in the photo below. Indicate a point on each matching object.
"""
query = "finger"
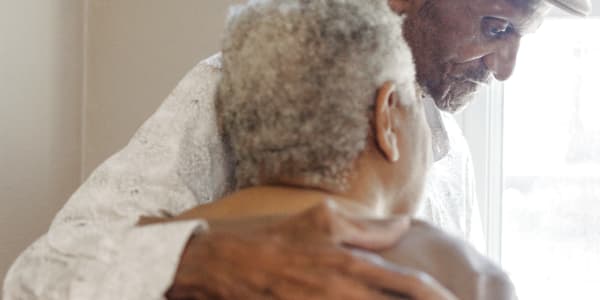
(394, 280)
(195, 294)
(327, 284)
(199, 293)
(367, 270)
(290, 272)
(370, 234)
(223, 276)
(348, 288)
(274, 256)
(230, 284)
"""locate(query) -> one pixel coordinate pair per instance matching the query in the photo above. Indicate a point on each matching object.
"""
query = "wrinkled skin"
(299, 258)
(460, 45)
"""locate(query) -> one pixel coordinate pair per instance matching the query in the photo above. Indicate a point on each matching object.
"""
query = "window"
(536, 148)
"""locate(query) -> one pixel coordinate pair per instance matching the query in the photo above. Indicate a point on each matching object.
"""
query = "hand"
(298, 258)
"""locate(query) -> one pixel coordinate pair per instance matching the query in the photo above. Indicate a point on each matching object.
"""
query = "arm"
(94, 250)
(172, 163)
(300, 257)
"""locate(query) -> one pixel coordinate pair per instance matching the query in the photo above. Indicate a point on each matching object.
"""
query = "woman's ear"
(385, 131)
(400, 6)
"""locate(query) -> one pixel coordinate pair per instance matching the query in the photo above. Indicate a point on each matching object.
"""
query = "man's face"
(458, 45)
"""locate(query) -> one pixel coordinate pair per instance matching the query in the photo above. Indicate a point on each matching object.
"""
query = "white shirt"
(175, 161)
(449, 199)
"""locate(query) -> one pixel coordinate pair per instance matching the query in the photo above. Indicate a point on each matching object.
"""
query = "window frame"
(482, 125)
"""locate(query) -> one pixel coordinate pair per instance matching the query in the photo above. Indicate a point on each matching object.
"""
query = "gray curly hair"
(299, 82)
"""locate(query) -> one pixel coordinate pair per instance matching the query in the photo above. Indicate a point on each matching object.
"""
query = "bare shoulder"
(452, 262)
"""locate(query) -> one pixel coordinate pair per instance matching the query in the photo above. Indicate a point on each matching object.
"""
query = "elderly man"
(343, 127)
(176, 161)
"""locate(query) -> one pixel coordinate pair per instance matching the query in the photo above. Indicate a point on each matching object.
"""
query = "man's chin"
(455, 103)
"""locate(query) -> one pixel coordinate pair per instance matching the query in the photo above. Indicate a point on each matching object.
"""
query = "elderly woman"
(318, 103)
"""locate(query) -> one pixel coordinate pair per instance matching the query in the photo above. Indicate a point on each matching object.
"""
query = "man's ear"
(385, 131)
(400, 6)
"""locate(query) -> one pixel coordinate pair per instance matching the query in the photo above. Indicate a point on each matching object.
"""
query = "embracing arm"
(171, 164)
(313, 255)
(94, 250)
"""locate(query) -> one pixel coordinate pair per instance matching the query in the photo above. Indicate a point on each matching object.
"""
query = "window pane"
(551, 167)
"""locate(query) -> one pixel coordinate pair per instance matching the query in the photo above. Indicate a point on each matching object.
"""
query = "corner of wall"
(84, 89)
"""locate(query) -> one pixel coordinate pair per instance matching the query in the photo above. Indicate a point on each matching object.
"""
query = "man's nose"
(501, 62)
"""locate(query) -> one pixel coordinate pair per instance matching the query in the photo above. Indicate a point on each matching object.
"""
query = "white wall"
(40, 107)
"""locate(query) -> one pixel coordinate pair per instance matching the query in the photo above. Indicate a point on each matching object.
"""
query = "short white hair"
(299, 84)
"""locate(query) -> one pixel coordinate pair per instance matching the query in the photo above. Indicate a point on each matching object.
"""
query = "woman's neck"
(272, 200)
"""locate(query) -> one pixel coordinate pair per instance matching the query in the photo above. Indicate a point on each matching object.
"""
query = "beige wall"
(40, 107)
(75, 84)
(138, 51)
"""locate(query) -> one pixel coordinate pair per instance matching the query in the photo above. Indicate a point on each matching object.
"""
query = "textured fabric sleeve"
(134, 263)
(139, 263)
(174, 162)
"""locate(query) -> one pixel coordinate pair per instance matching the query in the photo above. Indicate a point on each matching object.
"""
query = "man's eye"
(495, 28)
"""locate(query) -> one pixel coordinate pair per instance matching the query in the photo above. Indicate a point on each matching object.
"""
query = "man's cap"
(575, 7)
